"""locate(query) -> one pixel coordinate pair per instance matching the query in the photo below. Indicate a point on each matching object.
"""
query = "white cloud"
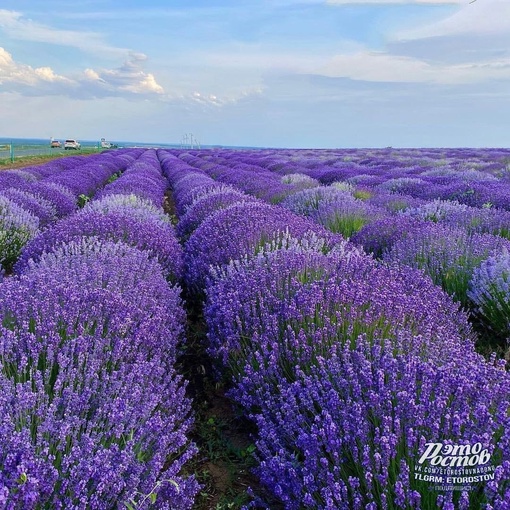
(130, 79)
(146, 84)
(212, 100)
(383, 67)
(13, 74)
(468, 46)
(14, 25)
(92, 75)
(489, 17)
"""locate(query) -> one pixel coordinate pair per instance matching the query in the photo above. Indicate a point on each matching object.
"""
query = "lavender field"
(354, 304)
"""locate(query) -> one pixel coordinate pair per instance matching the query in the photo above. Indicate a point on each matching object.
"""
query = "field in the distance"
(341, 316)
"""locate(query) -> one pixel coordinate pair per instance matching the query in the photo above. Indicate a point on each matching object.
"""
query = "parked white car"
(72, 144)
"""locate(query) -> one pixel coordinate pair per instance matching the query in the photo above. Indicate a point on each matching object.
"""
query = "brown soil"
(224, 436)
(224, 460)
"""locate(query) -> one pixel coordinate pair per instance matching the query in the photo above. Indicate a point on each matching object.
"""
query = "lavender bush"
(489, 291)
(300, 181)
(84, 179)
(103, 279)
(36, 205)
(14, 178)
(448, 256)
(253, 180)
(60, 197)
(344, 186)
(472, 219)
(137, 227)
(349, 431)
(284, 308)
(142, 178)
(394, 202)
(404, 185)
(188, 188)
(137, 206)
(172, 167)
(378, 237)
(346, 216)
(238, 231)
(17, 227)
(95, 414)
(307, 202)
(207, 203)
(436, 210)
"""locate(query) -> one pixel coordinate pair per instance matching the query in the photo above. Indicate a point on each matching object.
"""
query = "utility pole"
(188, 141)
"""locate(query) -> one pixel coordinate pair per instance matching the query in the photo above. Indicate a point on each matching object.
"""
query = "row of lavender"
(36, 197)
(349, 367)
(92, 412)
(445, 212)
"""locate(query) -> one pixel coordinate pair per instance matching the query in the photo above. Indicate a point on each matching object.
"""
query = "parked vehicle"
(55, 144)
(105, 144)
(72, 144)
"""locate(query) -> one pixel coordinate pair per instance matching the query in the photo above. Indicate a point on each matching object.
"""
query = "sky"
(281, 73)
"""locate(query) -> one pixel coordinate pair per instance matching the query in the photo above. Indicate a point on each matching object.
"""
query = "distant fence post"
(11, 151)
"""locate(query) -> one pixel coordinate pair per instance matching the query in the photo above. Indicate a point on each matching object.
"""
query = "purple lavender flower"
(378, 237)
(239, 231)
(350, 430)
(300, 181)
(307, 202)
(138, 207)
(363, 179)
(17, 227)
(60, 197)
(14, 178)
(205, 204)
(34, 204)
(254, 180)
(471, 219)
(404, 185)
(84, 179)
(296, 303)
(394, 202)
(143, 178)
(172, 167)
(187, 188)
(347, 215)
(94, 268)
(479, 194)
(489, 291)
(447, 255)
(436, 210)
(334, 207)
(87, 349)
(133, 226)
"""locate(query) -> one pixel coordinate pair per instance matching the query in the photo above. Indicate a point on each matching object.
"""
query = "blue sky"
(282, 73)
